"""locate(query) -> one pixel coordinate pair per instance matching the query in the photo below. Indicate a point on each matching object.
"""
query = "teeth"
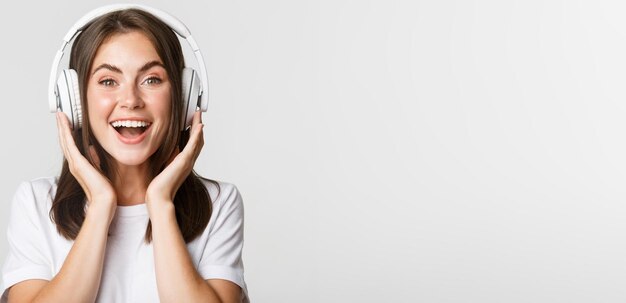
(130, 123)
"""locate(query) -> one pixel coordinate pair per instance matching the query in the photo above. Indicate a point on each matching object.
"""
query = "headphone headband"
(176, 25)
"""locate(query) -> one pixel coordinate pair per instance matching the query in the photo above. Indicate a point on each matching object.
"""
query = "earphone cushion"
(69, 94)
(191, 94)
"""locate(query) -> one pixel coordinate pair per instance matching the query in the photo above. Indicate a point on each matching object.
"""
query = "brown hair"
(192, 201)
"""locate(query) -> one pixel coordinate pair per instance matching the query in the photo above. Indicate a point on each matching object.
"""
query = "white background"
(388, 151)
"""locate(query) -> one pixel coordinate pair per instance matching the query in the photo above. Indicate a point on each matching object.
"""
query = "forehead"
(128, 50)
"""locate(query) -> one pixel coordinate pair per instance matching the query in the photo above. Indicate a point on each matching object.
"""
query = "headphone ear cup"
(69, 95)
(191, 95)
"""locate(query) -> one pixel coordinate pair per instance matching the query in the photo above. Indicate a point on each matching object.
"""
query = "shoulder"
(218, 252)
(35, 195)
(39, 185)
(30, 207)
(223, 194)
(44, 184)
(227, 206)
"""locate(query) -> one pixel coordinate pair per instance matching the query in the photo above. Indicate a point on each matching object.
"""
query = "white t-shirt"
(37, 250)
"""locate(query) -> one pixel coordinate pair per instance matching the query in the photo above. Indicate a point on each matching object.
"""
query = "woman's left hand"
(163, 187)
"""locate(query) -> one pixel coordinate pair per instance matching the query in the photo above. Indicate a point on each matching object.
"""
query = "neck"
(131, 183)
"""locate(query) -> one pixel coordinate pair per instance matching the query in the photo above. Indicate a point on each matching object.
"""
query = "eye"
(152, 81)
(107, 82)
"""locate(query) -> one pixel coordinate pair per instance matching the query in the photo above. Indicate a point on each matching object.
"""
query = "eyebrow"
(116, 69)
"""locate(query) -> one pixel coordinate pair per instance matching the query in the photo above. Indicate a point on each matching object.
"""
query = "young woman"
(127, 220)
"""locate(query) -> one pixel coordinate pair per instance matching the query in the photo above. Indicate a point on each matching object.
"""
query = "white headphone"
(64, 93)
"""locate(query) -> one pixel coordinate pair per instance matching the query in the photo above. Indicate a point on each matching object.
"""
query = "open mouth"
(130, 129)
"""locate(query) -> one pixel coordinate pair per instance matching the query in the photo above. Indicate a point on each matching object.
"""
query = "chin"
(130, 158)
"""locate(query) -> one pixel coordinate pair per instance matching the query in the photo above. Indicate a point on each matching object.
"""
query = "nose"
(130, 98)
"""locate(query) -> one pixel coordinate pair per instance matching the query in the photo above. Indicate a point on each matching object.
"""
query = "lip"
(136, 140)
(130, 119)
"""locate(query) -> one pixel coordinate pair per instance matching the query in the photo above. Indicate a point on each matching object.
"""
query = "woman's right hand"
(98, 190)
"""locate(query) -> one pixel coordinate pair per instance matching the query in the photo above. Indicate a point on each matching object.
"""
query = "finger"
(197, 117)
(68, 138)
(190, 152)
(71, 150)
(200, 141)
(196, 140)
(200, 134)
(67, 132)
(197, 120)
(195, 126)
(62, 134)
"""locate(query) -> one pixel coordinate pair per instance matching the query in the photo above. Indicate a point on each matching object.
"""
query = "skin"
(121, 86)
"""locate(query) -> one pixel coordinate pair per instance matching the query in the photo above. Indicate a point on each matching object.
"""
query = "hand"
(97, 187)
(164, 186)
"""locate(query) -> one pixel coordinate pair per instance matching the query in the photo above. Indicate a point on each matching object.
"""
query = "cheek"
(165, 106)
(161, 105)
(99, 103)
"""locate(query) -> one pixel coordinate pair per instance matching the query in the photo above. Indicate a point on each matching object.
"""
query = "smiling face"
(128, 98)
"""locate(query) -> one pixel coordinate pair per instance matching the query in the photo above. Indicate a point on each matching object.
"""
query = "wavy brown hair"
(192, 202)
